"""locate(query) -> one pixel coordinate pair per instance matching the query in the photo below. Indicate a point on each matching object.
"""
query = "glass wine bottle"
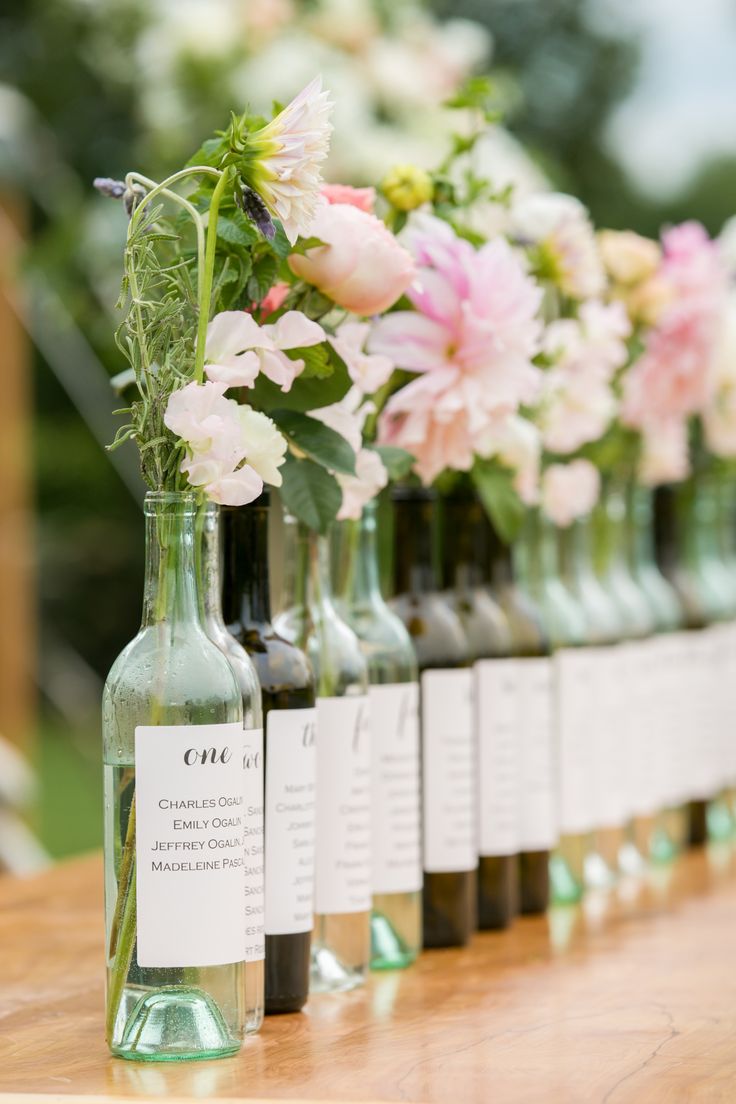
(396, 920)
(175, 818)
(342, 893)
(287, 691)
(604, 629)
(446, 710)
(464, 566)
(207, 551)
(565, 626)
(670, 834)
(612, 567)
(532, 683)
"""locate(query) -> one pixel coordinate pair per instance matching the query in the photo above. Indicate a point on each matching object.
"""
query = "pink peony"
(362, 198)
(570, 491)
(361, 267)
(674, 377)
(473, 336)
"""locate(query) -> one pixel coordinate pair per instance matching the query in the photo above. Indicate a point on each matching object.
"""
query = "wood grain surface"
(632, 999)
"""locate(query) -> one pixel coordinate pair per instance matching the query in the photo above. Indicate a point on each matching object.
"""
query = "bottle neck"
(170, 590)
(360, 548)
(208, 556)
(245, 583)
(535, 557)
(575, 551)
(666, 537)
(465, 554)
(640, 528)
(610, 541)
(415, 570)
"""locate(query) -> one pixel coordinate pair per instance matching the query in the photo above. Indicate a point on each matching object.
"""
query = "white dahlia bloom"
(284, 158)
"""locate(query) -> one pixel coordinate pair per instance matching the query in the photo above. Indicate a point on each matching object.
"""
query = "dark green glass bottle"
(464, 568)
(533, 684)
(288, 696)
(448, 790)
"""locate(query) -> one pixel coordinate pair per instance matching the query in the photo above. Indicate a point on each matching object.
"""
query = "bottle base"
(329, 975)
(175, 1024)
(388, 949)
(565, 889)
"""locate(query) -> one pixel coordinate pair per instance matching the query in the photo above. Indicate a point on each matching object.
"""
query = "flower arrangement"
(250, 289)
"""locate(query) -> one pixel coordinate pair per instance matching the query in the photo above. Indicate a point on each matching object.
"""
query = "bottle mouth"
(182, 503)
(403, 492)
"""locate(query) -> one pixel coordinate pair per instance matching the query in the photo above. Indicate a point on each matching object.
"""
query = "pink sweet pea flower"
(361, 266)
(238, 348)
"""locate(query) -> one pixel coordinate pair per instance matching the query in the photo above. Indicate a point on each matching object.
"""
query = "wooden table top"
(633, 1000)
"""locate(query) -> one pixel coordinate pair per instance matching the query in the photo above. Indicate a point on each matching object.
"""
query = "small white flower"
(367, 371)
(283, 159)
(570, 491)
(265, 447)
(560, 226)
(237, 348)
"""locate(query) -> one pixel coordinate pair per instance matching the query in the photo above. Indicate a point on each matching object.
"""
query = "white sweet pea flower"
(560, 226)
(265, 446)
(570, 491)
(347, 418)
(237, 348)
(231, 450)
(367, 371)
(282, 160)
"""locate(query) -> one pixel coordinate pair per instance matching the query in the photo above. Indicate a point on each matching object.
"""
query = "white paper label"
(613, 708)
(290, 820)
(537, 783)
(255, 943)
(343, 836)
(190, 837)
(499, 760)
(396, 816)
(576, 706)
(448, 771)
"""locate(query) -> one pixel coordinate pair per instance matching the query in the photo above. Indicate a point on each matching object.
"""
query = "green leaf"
(310, 493)
(501, 501)
(318, 441)
(303, 245)
(236, 231)
(317, 364)
(209, 153)
(262, 279)
(397, 461)
(308, 393)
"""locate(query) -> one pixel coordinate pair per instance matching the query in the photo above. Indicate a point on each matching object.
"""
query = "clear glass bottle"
(537, 567)
(670, 835)
(529, 642)
(286, 688)
(208, 549)
(604, 629)
(396, 921)
(341, 941)
(612, 566)
(173, 740)
(674, 553)
(716, 585)
(464, 568)
(443, 655)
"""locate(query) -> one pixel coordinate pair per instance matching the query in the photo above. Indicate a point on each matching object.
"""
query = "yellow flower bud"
(407, 187)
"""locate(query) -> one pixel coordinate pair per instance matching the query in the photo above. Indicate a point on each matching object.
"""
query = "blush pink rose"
(361, 266)
(362, 198)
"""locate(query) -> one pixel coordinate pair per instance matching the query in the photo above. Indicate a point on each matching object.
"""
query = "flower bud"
(407, 187)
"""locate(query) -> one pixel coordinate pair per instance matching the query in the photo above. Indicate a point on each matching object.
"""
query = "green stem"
(209, 269)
